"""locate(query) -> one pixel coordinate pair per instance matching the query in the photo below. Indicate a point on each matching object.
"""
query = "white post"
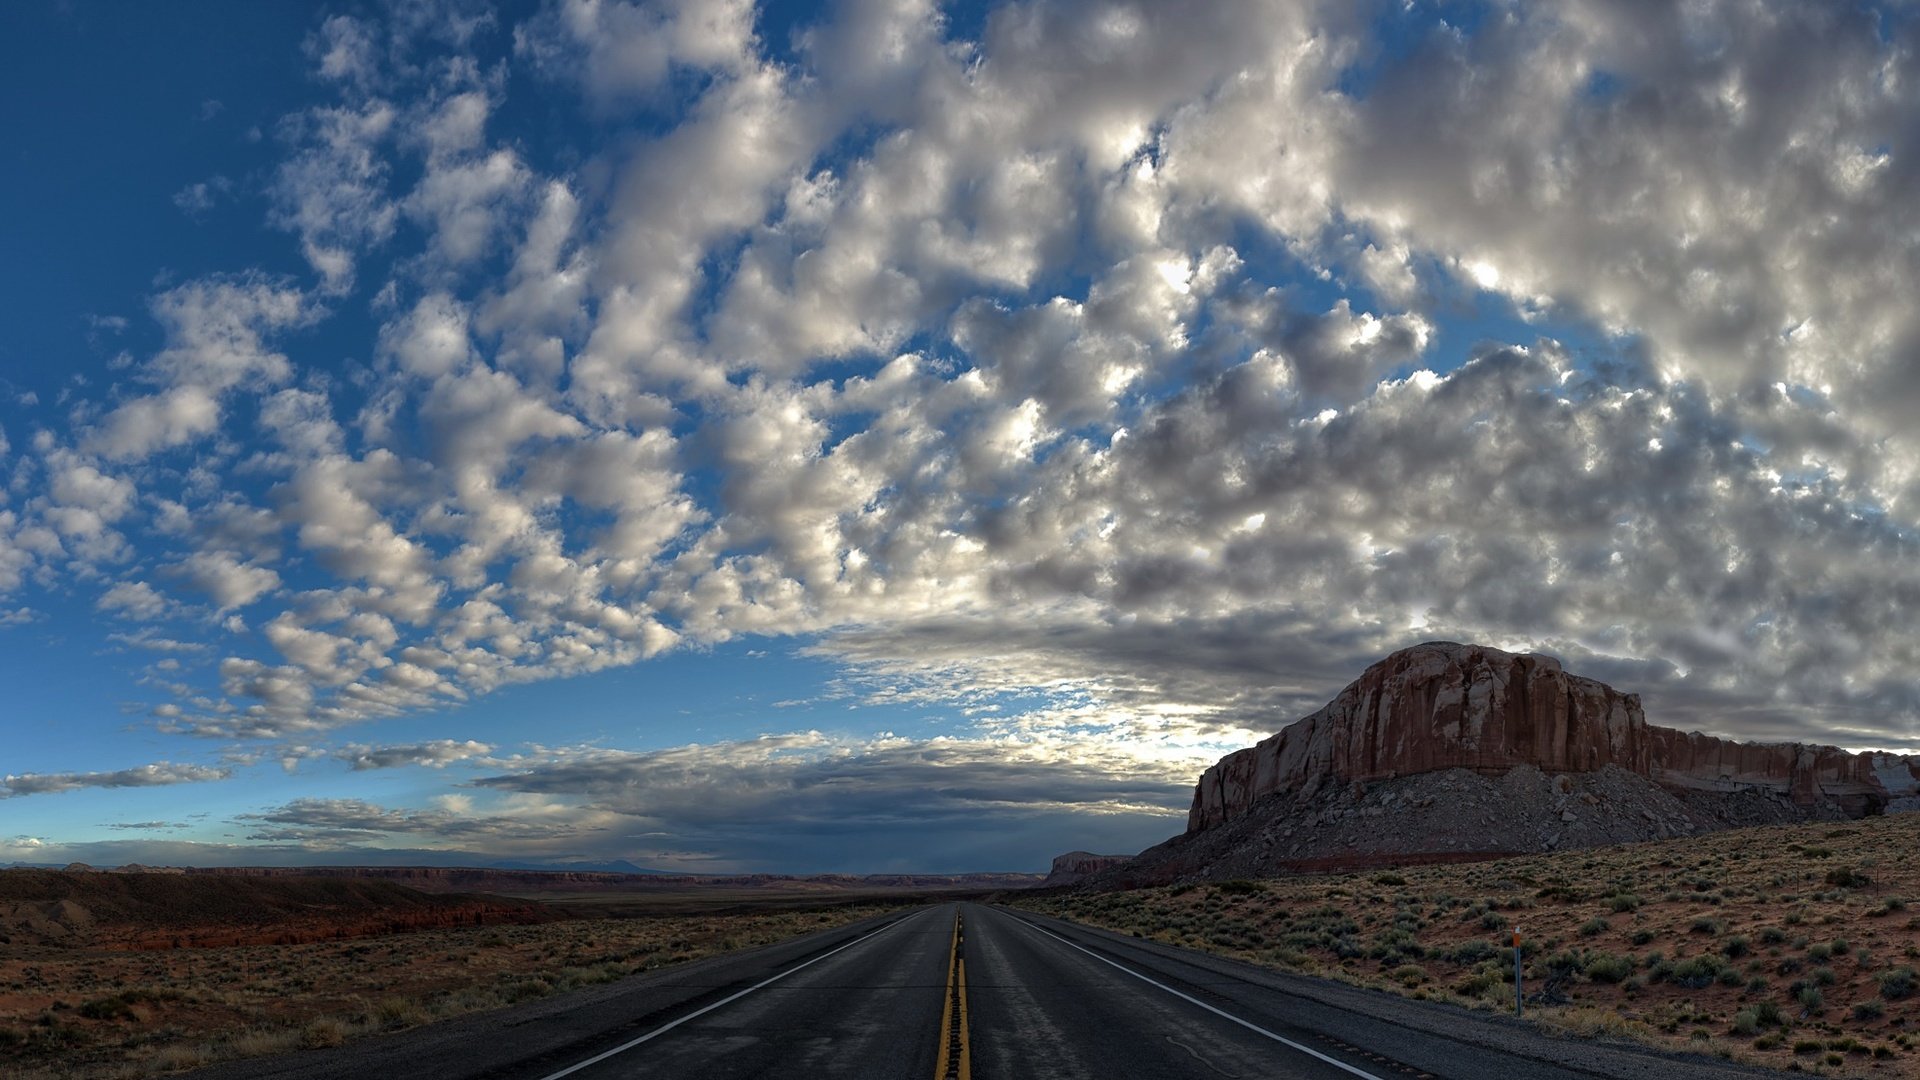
(1519, 998)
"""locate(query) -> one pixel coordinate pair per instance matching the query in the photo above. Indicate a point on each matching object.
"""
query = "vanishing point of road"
(961, 991)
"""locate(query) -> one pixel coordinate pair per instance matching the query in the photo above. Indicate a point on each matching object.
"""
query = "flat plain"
(129, 975)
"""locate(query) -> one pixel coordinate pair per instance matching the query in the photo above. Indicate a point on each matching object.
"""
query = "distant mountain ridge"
(612, 866)
(481, 878)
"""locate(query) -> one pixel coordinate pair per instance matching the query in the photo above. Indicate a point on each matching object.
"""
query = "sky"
(882, 436)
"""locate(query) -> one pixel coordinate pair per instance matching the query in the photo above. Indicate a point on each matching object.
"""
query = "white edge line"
(664, 1028)
(1308, 1050)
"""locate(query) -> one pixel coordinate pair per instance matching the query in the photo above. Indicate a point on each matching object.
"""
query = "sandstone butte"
(1443, 705)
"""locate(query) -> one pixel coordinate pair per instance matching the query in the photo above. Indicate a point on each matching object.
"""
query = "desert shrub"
(1493, 920)
(1477, 983)
(1746, 1022)
(1820, 953)
(1845, 877)
(1390, 881)
(1641, 937)
(1735, 947)
(117, 1007)
(1811, 999)
(1240, 888)
(1593, 926)
(1871, 1009)
(1696, 972)
(1808, 1046)
(1473, 952)
(326, 1031)
(1772, 935)
(1822, 976)
(1898, 983)
(1840, 947)
(1607, 967)
(1620, 903)
(1708, 926)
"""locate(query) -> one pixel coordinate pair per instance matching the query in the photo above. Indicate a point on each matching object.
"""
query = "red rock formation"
(1443, 705)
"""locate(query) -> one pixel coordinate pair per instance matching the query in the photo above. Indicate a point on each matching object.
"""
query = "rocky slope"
(1443, 705)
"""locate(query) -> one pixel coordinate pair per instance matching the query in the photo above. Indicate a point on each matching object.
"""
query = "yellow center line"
(966, 1044)
(955, 1058)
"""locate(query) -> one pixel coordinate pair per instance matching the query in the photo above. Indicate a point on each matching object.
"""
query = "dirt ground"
(1794, 946)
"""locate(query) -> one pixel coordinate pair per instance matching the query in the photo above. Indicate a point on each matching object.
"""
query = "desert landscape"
(730, 538)
(112, 975)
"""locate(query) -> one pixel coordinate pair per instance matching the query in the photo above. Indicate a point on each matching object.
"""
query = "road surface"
(965, 991)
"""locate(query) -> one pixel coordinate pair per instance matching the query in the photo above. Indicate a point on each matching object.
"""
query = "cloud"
(216, 333)
(790, 800)
(197, 198)
(159, 774)
(135, 600)
(332, 192)
(326, 822)
(223, 578)
(618, 49)
(436, 754)
(1122, 361)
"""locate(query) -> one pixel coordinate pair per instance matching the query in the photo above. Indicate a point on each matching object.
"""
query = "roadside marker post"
(1519, 998)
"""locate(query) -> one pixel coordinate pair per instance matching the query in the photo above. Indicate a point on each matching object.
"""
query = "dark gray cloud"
(328, 822)
(790, 802)
(159, 774)
(437, 753)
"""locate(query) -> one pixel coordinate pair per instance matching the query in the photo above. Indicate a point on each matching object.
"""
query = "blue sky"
(883, 435)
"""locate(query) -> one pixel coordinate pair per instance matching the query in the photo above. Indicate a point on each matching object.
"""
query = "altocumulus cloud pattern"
(1077, 389)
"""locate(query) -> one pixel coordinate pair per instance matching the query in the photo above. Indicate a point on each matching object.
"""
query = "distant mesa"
(1071, 868)
(1446, 751)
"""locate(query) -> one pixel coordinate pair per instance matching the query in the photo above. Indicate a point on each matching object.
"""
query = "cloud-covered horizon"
(1107, 381)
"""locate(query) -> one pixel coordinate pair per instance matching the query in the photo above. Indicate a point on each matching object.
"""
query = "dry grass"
(1793, 947)
(86, 1013)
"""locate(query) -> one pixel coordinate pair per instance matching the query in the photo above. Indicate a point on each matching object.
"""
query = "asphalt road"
(967, 990)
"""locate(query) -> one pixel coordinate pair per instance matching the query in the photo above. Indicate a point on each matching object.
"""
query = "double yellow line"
(955, 1060)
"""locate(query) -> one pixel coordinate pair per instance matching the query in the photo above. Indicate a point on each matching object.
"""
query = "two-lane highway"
(965, 991)
(870, 1007)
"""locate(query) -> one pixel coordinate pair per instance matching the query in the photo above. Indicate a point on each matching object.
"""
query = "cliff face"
(1443, 705)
